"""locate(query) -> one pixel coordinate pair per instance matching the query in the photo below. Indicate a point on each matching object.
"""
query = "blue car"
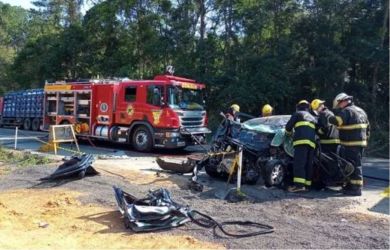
(268, 154)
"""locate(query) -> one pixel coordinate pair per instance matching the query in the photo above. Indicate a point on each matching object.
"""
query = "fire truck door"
(126, 105)
(104, 104)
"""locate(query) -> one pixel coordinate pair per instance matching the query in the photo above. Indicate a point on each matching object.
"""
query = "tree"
(247, 52)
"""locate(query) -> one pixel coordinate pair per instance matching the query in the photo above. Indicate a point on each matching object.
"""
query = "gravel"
(313, 220)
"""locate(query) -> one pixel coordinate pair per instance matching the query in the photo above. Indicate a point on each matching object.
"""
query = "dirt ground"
(55, 219)
(81, 214)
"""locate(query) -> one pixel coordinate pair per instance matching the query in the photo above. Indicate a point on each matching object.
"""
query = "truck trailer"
(22, 109)
(166, 112)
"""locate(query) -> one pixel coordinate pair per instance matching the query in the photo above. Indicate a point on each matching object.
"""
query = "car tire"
(27, 124)
(35, 124)
(142, 139)
(275, 173)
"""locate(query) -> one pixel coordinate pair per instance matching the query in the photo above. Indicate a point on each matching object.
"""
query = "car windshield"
(183, 98)
(269, 124)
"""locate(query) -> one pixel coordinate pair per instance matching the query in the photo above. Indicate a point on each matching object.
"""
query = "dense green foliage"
(248, 52)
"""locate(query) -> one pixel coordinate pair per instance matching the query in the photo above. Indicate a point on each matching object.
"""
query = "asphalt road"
(30, 140)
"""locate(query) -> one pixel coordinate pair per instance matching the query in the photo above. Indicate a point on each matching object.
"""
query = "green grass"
(22, 159)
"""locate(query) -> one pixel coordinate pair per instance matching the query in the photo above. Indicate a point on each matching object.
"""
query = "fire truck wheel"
(35, 124)
(142, 139)
(27, 124)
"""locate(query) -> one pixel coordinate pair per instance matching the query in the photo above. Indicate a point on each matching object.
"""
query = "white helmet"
(340, 97)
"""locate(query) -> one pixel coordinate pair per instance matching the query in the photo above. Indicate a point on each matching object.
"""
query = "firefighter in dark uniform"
(303, 124)
(354, 129)
(327, 132)
(231, 113)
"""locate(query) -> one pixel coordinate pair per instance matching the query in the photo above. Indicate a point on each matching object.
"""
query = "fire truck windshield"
(183, 98)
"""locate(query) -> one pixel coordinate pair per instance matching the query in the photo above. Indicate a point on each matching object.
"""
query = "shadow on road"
(111, 219)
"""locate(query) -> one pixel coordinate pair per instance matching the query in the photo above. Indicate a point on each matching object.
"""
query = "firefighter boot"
(352, 190)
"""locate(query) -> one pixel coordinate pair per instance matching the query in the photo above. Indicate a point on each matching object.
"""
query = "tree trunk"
(382, 40)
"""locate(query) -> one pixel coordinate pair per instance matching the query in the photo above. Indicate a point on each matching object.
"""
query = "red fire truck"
(166, 112)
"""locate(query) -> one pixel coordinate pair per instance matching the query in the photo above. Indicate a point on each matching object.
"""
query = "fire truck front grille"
(191, 121)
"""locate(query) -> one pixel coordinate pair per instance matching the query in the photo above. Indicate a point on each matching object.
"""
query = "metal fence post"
(16, 137)
(239, 170)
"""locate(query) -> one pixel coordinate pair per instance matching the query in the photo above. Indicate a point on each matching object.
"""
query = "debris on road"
(176, 165)
(76, 166)
(157, 211)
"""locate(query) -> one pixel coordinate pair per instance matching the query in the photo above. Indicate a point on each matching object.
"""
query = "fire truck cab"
(166, 112)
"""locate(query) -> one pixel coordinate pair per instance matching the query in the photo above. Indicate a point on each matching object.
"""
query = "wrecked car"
(255, 136)
(268, 153)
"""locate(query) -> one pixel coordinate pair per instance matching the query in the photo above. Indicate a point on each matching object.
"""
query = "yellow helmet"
(235, 107)
(266, 110)
(316, 103)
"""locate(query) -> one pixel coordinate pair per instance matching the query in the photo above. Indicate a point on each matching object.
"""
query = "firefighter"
(327, 133)
(266, 110)
(231, 114)
(303, 124)
(354, 131)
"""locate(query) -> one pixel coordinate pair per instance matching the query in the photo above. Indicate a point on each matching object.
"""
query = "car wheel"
(27, 124)
(275, 173)
(142, 139)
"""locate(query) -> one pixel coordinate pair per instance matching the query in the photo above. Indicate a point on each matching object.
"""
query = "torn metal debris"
(77, 166)
(157, 211)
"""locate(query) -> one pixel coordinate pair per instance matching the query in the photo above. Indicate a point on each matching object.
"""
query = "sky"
(26, 4)
(23, 3)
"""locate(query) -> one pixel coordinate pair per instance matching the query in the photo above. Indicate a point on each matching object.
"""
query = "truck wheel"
(142, 139)
(275, 173)
(27, 124)
(35, 124)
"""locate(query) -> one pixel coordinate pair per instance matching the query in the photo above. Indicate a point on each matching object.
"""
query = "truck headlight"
(172, 134)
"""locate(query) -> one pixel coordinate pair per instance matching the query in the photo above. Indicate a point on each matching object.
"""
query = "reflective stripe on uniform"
(354, 126)
(320, 131)
(339, 120)
(356, 182)
(299, 180)
(354, 143)
(308, 183)
(304, 142)
(330, 141)
(304, 123)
